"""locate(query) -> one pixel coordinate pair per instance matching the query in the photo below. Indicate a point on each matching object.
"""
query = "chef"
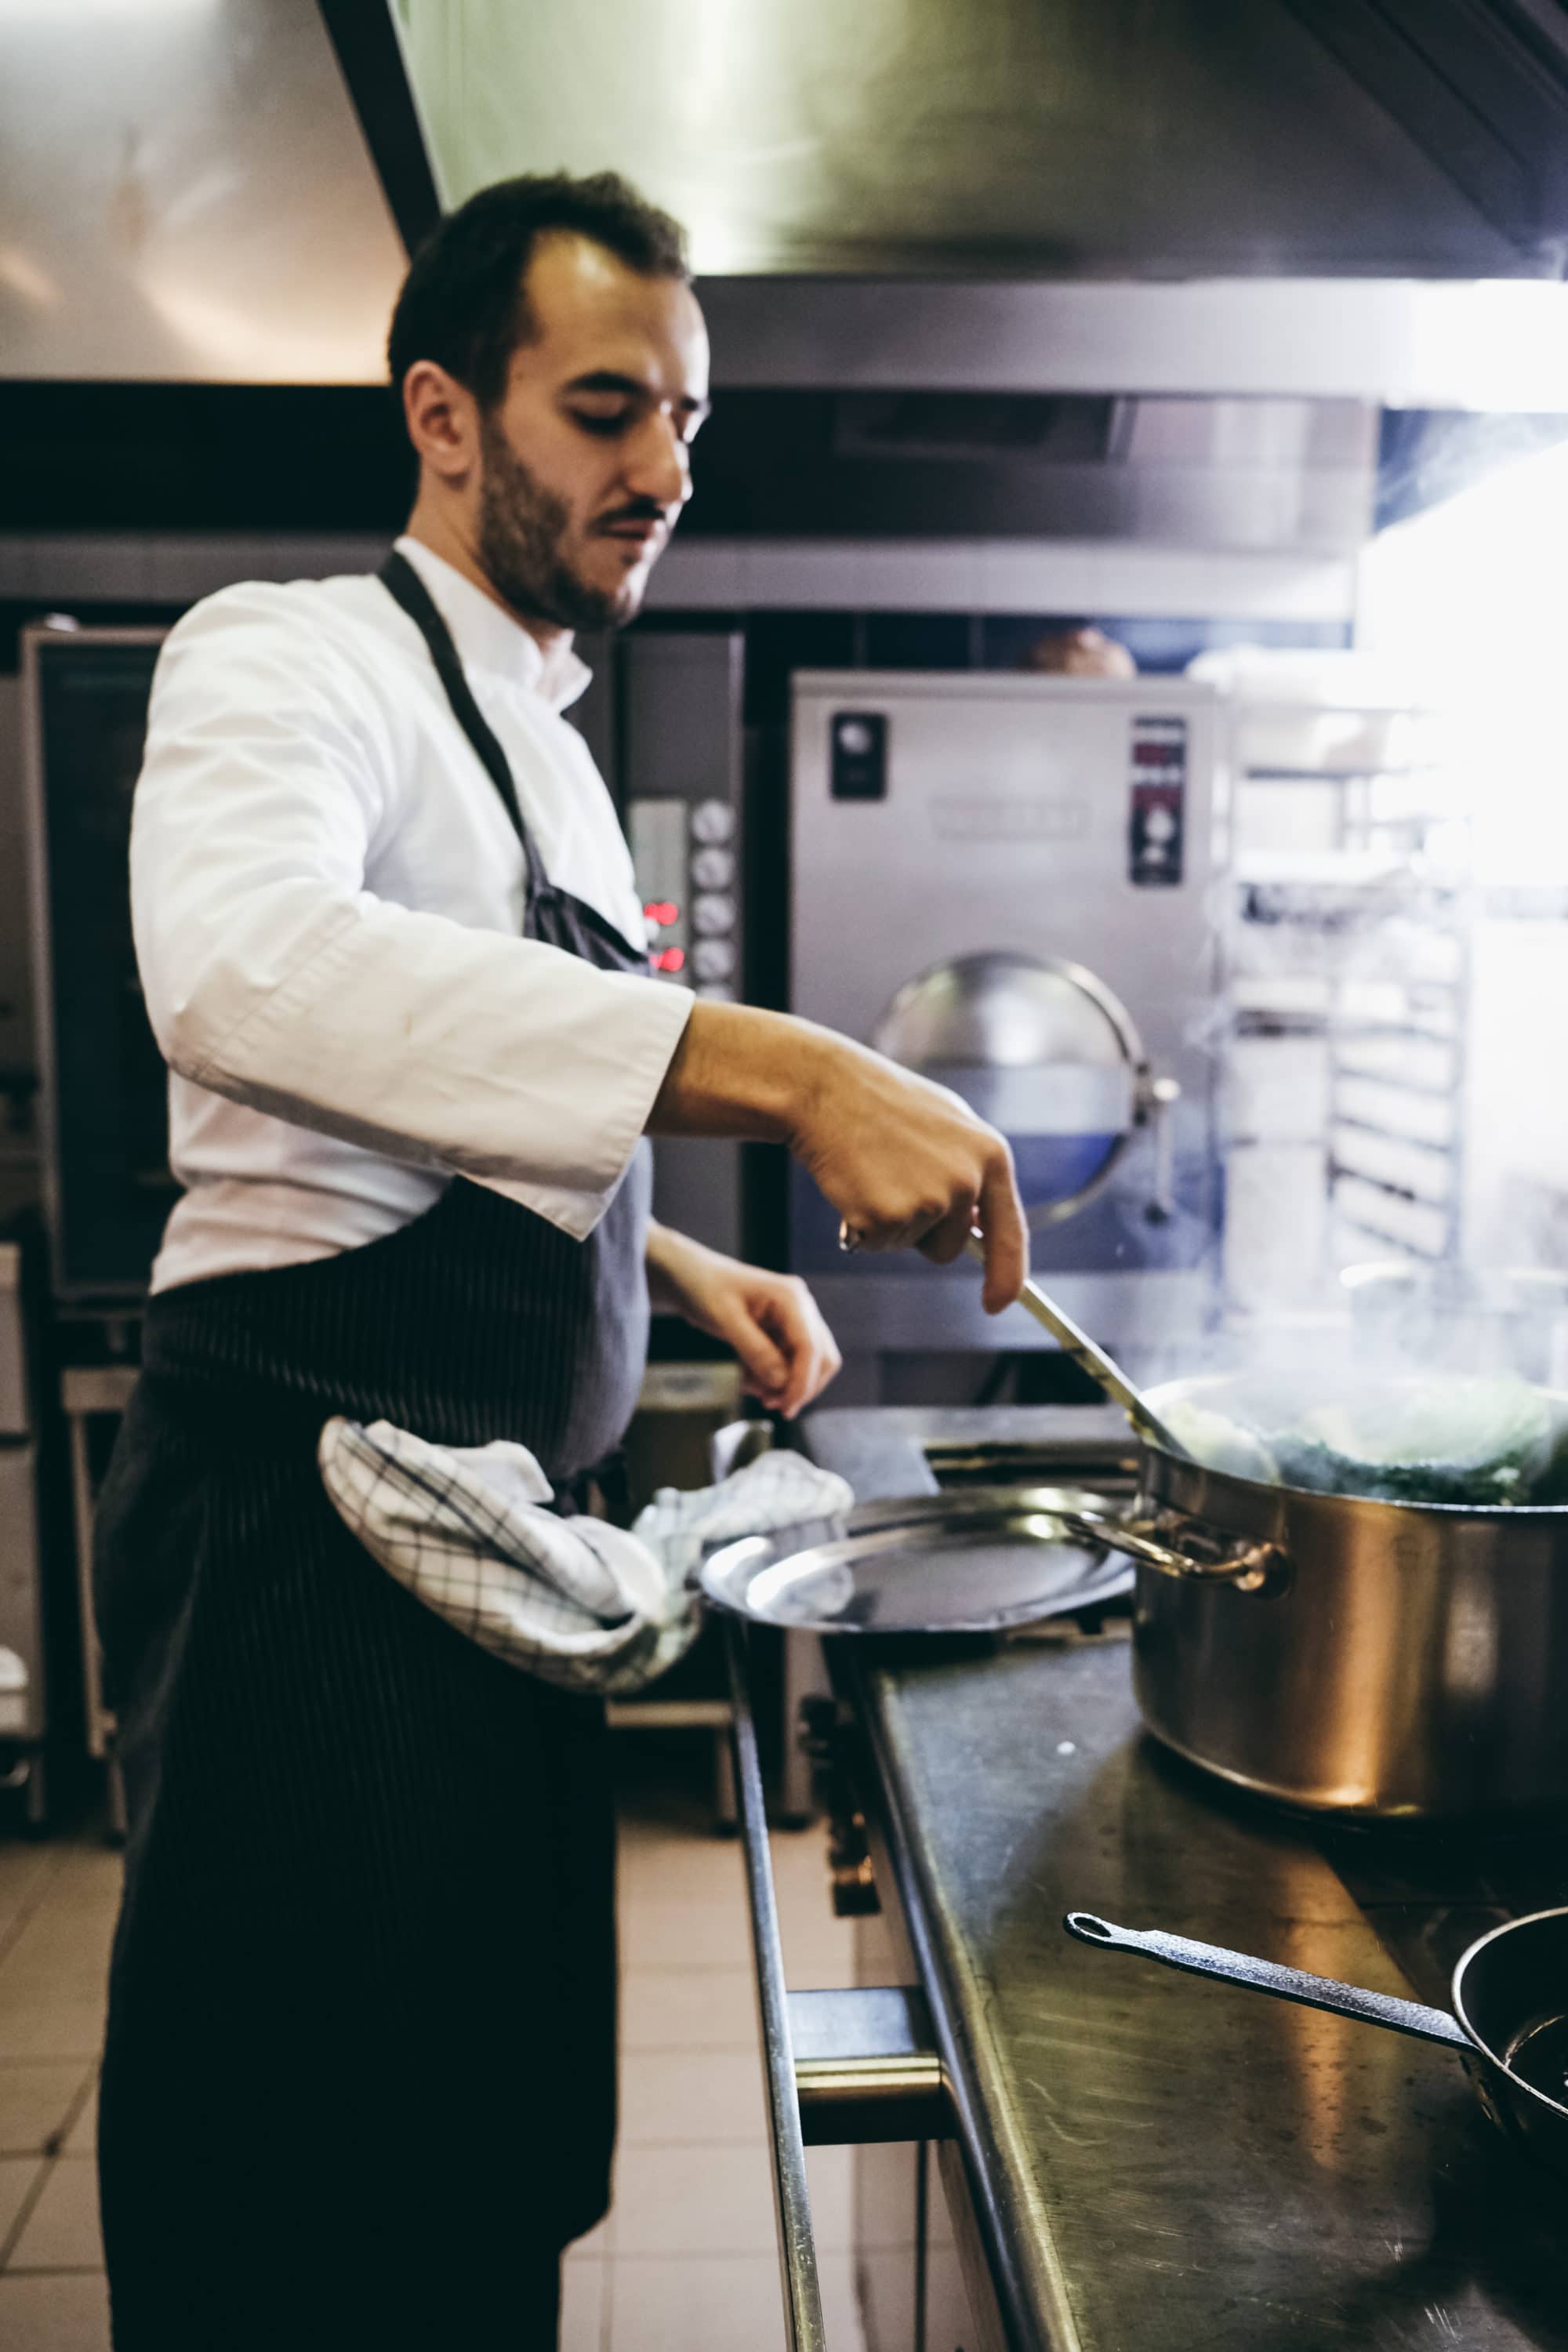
(358, 2086)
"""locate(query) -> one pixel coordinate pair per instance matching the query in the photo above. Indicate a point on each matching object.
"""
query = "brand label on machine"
(1001, 816)
(1157, 791)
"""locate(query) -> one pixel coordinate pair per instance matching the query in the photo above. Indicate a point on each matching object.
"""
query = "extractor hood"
(1057, 139)
(1137, 198)
(185, 195)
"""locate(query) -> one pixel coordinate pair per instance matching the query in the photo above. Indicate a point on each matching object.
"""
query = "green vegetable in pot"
(1447, 1439)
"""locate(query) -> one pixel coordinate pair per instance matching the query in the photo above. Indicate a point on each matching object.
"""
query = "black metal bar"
(370, 57)
(797, 2247)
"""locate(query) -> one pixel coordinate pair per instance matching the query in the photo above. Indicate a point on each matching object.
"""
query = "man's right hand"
(905, 1163)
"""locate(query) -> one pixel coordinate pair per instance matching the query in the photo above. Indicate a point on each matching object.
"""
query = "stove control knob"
(713, 869)
(713, 821)
(712, 913)
(713, 960)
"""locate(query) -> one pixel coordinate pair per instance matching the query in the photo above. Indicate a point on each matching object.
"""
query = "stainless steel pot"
(1362, 1657)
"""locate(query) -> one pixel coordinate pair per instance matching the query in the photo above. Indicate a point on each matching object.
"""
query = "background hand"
(787, 1353)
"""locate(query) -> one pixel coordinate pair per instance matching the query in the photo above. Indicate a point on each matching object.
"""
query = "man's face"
(585, 458)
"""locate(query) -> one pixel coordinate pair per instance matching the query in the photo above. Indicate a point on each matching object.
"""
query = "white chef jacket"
(326, 890)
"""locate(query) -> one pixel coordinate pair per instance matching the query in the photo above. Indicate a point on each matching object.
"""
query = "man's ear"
(443, 421)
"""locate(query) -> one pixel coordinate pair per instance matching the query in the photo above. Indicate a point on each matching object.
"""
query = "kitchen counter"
(1155, 2161)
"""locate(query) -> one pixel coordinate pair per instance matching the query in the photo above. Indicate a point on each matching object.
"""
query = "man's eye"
(604, 420)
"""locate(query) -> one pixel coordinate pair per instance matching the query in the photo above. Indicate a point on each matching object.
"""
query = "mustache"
(635, 510)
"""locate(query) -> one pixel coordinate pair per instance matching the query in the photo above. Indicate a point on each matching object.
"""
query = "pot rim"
(1231, 1480)
(1457, 2003)
(1500, 1514)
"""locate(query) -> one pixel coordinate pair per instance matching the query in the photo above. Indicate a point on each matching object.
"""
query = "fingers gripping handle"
(1410, 2017)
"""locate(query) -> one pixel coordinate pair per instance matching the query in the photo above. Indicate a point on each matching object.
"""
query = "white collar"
(488, 638)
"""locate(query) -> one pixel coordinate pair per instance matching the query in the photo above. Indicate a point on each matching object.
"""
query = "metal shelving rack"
(1363, 941)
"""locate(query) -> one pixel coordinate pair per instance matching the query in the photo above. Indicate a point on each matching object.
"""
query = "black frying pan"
(1510, 2022)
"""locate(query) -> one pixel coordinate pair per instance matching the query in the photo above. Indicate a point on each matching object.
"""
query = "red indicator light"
(662, 911)
(669, 960)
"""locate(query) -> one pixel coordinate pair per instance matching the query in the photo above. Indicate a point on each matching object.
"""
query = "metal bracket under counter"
(865, 2066)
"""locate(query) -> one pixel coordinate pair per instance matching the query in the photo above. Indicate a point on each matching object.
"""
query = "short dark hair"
(463, 303)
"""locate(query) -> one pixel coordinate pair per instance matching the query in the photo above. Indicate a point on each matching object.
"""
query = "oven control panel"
(1156, 816)
(684, 853)
(681, 776)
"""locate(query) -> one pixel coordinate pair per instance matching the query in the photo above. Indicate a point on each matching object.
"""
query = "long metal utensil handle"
(797, 2246)
(1092, 1357)
(1412, 2017)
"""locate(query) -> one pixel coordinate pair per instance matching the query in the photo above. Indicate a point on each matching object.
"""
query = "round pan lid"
(973, 1562)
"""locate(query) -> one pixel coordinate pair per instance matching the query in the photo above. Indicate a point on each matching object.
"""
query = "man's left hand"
(787, 1353)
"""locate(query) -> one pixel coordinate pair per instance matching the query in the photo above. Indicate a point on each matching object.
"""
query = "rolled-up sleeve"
(275, 977)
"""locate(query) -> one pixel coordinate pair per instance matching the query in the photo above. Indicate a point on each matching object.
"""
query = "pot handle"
(1247, 1567)
(1412, 2017)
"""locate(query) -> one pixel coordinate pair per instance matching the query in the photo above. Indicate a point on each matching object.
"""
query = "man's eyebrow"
(609, 380)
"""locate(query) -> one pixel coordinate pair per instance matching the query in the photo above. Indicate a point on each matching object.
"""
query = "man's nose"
(661, 465)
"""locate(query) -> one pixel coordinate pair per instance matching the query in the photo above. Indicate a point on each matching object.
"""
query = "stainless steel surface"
(87, 1390)
(1331, 2188)
(891, 1451)
(970, 1562)
(185, 194)
(1412, 2017)
(1057, 138)
(24, 1688)
(1037, 1046)
(1310, 2184)
(1409, 1658)
(797, 2246)
(24, 1691)
(865, 2066)
(1508, 1994)
(1003, 847)
(1090, 1356)
(736, 1444)
(681, 772)
(16, 1410)
(1397, 345)
(1508, 2003)
(1240, 1566)
(730, 1449)
(894, 1310)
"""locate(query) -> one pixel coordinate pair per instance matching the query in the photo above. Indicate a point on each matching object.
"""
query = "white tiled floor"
(687, 2260)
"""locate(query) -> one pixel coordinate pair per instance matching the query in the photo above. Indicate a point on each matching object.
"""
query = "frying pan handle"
(1247, 1567)
(1410, 2017)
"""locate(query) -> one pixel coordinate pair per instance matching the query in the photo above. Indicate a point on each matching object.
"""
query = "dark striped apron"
(359, 2080)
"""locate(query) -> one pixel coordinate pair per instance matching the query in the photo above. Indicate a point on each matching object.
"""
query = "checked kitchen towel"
(576, 1601)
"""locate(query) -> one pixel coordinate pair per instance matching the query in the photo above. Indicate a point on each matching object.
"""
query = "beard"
(523, 533)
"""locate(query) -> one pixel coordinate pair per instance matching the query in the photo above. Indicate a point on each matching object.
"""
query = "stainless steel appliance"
(1007, 880)
(679, 708)
(1199, 140)
(23, 1696)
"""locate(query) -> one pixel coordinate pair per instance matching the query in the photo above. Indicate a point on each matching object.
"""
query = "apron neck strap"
(402, 583)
